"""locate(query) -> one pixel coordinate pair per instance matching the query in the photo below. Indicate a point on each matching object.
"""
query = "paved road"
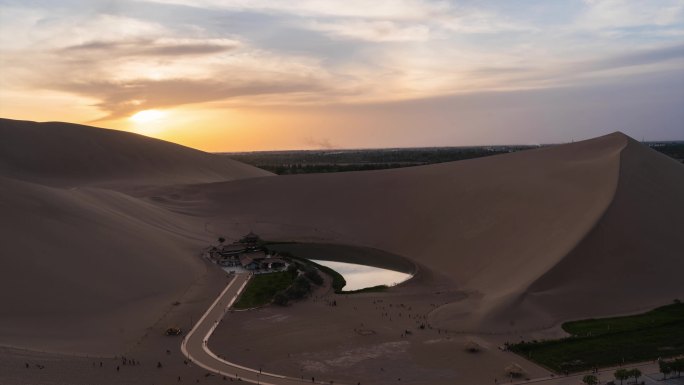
(194, 345)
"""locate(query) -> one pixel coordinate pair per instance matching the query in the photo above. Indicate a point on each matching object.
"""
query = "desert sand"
(87, 269)
(102, 231)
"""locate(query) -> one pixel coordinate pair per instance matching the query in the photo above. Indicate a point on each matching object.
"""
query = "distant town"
(341, 160)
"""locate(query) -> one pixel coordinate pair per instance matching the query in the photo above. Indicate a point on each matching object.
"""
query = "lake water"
(362, 276)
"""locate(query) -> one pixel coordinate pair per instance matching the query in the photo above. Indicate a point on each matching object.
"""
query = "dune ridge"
(65, 154)
(496, 227)
(644, 218)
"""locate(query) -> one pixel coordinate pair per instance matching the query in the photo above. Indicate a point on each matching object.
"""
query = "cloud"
(600, 69)
(407, 20)
(128, 64)
(37, 28)
(638, 58)
(645, 105)
(378, 9)
(372, 30)
(132, 55)
(610, 14)
(154, 47)
(477, 21)
(122, 99)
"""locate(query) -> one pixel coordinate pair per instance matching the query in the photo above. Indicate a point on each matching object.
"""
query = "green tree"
(665, 368)
(636, 373)
(590, 379)
(622, 374)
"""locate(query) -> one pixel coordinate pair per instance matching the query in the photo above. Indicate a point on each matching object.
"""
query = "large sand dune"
(87, 270)
(633, 256)
(84, 267)
(65, 154)
(530, 237)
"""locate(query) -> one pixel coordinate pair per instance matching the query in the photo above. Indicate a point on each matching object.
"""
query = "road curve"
(194, 345)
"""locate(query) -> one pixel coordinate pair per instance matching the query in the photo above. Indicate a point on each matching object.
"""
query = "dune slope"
(85, 268)
(634, 255)
(65, 154)
(509, 229)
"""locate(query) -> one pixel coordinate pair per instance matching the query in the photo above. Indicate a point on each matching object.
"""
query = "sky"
(243, 75)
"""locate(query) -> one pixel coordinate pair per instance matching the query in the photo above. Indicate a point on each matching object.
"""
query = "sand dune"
(529, 236)
(634, 255)
(85, 268)
(513, 229)
(513, 244)
(65, 154)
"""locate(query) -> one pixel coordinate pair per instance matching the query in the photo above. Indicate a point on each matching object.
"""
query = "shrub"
(299, 289)
(280, 299)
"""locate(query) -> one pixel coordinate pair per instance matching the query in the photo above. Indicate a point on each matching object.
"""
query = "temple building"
(246, 254)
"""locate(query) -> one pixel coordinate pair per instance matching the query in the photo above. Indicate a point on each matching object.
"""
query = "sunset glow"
(147, 116)
(348, 73)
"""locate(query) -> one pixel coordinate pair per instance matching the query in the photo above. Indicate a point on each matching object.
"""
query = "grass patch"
(261, 289)
(611, 341)
(595, 327)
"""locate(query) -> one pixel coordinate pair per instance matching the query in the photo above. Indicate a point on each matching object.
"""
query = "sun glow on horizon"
(147, 116)
(149, 122)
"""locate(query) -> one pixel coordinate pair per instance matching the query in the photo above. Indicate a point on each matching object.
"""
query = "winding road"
(195, 344)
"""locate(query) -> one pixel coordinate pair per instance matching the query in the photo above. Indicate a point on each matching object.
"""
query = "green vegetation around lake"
(338, 281)
(301, 277)
(611, 341)
(279, 288)
(261, 289)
